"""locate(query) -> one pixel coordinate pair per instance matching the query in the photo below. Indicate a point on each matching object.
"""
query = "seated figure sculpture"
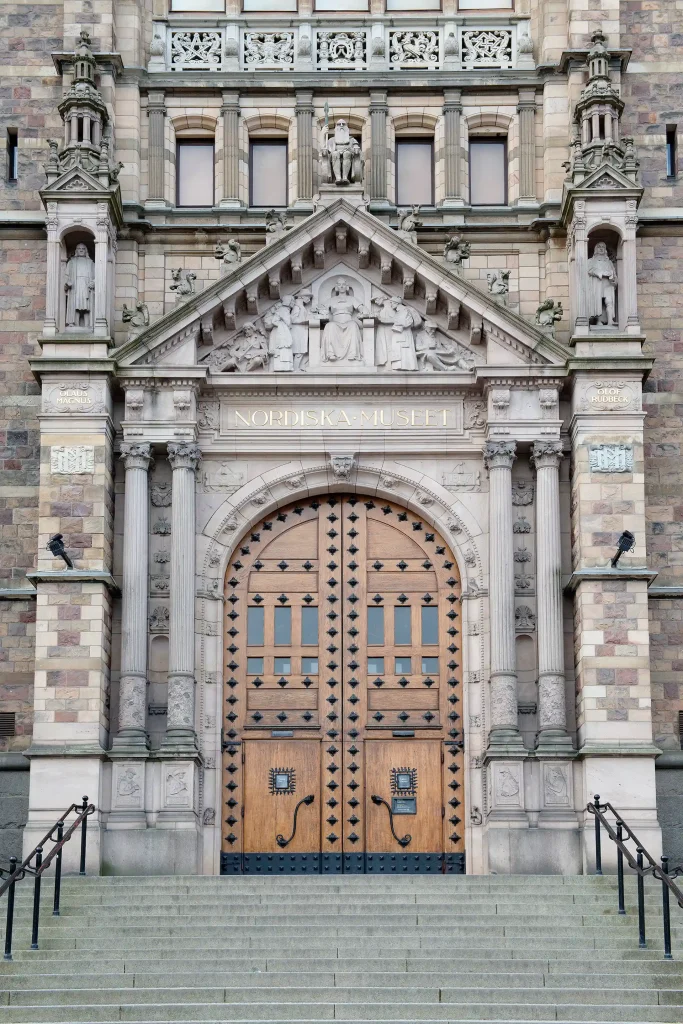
(343, 156)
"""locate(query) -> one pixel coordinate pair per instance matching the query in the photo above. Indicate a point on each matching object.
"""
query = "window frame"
(207, 140)
(269, 140)
(12, 144)
(425, 140)
(489, 140)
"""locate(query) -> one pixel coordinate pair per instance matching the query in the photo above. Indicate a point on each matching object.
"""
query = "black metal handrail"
(35, 865)
(637, 864)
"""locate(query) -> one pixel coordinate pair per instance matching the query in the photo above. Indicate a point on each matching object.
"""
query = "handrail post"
(666, 915)
(36, 899)
(620, 868)
(598, 848)
(641, 902)
(10, 909)
(84, 835)
(58, 871)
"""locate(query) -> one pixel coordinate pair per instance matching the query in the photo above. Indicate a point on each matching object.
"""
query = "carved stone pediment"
(340, 293)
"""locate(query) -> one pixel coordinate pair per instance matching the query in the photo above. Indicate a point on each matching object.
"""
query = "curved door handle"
(402, 841)
(280, 839)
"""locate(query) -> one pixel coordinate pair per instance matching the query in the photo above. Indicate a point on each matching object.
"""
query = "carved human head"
(430, 327)
(305, 297)
(342, 287)
(81, 249)
(600, 249)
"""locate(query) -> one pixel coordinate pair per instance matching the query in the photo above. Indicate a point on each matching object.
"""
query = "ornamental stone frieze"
(239, 45)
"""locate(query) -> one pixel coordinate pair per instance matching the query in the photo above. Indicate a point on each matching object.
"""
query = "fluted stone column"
(231, 150)
(304, 148)
(378, 148)
(504, 732)
(452, 109)
(156, 149)
(526, 108)
(180, 731)
(133, 685)
(552, 715)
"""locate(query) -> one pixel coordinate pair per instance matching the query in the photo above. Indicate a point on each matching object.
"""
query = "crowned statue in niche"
(602, 287)
(342, 155)
(342, 338)
(79, 285)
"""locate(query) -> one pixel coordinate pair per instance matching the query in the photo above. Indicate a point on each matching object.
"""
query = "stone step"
(312, 979)
(312, 1013)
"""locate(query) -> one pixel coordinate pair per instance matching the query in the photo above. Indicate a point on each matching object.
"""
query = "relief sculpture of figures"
(435, 352)
(343, 156)
(278, 321)
(300, 315)
(602, 287)
(342, 337)
(246, 351)
(79, 286)
(395, 338)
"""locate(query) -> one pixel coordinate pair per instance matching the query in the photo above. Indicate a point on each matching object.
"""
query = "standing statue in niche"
(278, 321)
(79, 286)
(343, 156)
(300, 315)
(602, 287)
(342, 337)
(395, 339)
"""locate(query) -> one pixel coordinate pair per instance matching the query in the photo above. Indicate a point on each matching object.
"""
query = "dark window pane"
(282, 666)
(430, 666)
(255, 624)
(309, 625)
(375, 666)
(414, 172)
(488, 172)
(402, 634)
(255, 666)
(309, 666)
(403, 666)
(375, 625)
(194, 168)
(283, 626)
(430, 625)
(269, 173)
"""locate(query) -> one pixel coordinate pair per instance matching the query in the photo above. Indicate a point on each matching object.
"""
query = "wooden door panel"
(332, 706)
(269, 805)
(386, 762)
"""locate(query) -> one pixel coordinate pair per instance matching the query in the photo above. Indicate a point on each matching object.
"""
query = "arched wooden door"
(342, 730)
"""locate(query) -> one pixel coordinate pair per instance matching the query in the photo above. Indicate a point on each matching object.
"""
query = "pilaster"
(156, 149)
(526, 109)
(230, 111)
(304, 150)
(379, 110)
(452, 110)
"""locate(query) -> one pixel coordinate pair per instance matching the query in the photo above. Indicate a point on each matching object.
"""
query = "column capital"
(452, 100)
(547, 453)
(136, 456)
(156, 100)
(526, 99)
(184, 456)
(304, 100)
(499, 454)
(230, 99)
(378, 101)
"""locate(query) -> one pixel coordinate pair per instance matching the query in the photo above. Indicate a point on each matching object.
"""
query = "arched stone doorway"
(342, 724)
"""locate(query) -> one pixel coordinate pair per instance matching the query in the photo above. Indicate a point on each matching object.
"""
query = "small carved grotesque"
(183, 283)
(342, 465)
(277, 223)
(456, 250)
(228, 253)
(548, 313)
(602, 287)
(79, 286)
(136, 318)
(498, 282)
(343, 157)
(408, 223)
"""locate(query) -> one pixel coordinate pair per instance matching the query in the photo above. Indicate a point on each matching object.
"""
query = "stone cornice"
(75, 576)
(605, 573)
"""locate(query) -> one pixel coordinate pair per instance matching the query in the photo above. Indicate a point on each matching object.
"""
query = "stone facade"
(165, 393)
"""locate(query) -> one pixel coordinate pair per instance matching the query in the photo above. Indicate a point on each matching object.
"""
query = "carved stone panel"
(611, 458)
(178, 785)
(506, 785)
(557, 785)
(128, 785)
(72, 459)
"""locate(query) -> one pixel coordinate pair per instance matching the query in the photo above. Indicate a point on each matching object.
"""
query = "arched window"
(268, 160)
(414, 157)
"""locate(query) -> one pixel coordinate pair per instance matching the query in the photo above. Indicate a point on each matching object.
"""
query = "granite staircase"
(343, 948)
